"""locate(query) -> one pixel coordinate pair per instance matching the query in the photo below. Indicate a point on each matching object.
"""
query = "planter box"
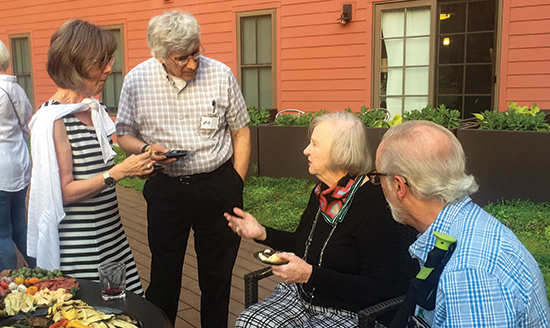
(374, 137)
(508, 164)
(280, 152)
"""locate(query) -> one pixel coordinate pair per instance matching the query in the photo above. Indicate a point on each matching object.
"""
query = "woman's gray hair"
(433, 169)
(4, 57)
(173, 32)
(349, 151)
(76, 47)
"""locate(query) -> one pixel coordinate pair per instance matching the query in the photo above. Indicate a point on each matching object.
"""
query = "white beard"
(397, 213)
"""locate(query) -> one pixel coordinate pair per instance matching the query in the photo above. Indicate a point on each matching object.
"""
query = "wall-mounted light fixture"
(346, 14)
(446, 41)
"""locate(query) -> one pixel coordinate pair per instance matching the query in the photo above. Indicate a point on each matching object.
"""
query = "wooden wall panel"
(315, 54)
(525, 53)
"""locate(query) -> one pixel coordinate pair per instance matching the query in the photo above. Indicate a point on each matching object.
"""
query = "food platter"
(42, 313)
(269, 256)
(46, 302)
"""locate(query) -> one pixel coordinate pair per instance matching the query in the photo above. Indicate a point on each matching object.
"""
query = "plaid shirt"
(155, 110)
(490, 281)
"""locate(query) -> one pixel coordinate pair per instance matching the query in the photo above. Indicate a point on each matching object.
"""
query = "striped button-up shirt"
(155, 110)
(490, 281)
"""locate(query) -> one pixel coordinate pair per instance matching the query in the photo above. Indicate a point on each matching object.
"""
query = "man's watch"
(108, 180)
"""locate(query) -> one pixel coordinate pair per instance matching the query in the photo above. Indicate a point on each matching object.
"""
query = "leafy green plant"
(516, 118)
(446, 117)
(301, 120)
(375, 118)
(258, 116)
(531, 224)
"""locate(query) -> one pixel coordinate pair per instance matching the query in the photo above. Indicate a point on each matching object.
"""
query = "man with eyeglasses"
(491, 280)
(180, 100)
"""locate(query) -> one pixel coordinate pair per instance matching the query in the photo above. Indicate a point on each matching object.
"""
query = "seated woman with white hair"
(342, 257)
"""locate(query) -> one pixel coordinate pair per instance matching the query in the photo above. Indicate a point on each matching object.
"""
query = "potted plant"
(446, 117)
(508, 154)
(281, 145)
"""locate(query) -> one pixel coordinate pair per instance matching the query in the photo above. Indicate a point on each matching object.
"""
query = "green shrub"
(531, 224)
(258, 116)
(516, 118)
(301, 120)
(446, 117)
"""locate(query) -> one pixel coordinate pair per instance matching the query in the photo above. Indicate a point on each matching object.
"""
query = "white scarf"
(104, 127)
(45, 199)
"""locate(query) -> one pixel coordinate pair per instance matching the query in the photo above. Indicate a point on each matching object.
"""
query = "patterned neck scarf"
(334, 202)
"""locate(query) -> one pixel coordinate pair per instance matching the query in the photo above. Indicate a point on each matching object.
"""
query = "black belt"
(188, 179)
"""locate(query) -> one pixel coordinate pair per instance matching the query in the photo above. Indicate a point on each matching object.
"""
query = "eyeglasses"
(104, 63)
(374, 178)
(184, 62)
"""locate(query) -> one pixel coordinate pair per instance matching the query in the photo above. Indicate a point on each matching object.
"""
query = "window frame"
(434, 9)
(264, 12)
(30, 95)
(122, 71)
(376, 49)
(464, 65)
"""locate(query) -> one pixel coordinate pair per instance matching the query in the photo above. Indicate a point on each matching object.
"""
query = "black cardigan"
(360, 260)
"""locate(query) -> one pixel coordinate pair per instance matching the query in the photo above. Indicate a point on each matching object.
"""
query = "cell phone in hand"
(158, 168)
(176, 153)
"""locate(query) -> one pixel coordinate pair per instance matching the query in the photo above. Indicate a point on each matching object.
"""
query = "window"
(256, 57)
(466, 43)
(110, 95)
(461, 73)
(21, 63)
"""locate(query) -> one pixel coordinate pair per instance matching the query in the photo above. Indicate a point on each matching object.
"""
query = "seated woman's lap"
(284, 309)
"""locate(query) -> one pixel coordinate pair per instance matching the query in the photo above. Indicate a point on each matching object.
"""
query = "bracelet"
(144, 147)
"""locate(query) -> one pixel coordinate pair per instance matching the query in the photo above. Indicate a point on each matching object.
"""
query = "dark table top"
(140, 308)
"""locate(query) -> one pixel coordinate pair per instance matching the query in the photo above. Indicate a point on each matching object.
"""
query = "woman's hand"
(295, 271)
(133, 166)
(245, 225)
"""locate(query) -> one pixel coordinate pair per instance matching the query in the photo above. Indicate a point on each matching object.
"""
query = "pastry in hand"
(270, 256)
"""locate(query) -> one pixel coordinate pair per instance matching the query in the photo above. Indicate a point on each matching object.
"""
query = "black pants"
(174, 206)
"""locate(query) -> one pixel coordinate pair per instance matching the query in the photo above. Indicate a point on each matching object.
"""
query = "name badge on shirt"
(210, 123)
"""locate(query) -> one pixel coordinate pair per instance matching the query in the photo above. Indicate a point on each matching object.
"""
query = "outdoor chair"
(292, 112)
(367, 317)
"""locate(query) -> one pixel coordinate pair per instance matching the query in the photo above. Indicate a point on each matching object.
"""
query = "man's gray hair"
(4, 57)
(349, 151)
(173, 32)
(433, 168)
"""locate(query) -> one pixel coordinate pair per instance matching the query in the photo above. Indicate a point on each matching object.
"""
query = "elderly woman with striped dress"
(73, 208)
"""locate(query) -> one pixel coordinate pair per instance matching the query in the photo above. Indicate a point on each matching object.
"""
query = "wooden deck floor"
(132, 208)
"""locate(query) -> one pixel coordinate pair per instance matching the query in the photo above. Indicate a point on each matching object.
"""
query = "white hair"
(4, 57)
(173, 32)
(349, 151)
(430, 158)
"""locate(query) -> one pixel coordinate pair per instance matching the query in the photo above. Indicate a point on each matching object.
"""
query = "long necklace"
(309, 240)
(311, 295)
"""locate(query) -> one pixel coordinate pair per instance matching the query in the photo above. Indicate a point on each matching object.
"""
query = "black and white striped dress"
(91, 232)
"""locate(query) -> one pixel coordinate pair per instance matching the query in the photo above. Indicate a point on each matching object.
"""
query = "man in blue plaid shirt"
(491, 280)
